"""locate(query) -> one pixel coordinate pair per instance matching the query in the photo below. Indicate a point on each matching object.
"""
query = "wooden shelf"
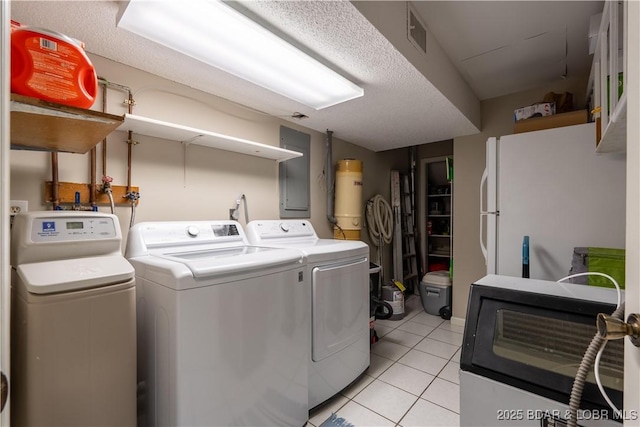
(439, 255)
(171, 131)
(46, 126)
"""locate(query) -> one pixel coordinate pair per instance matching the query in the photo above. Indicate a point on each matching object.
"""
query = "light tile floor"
(412, 379)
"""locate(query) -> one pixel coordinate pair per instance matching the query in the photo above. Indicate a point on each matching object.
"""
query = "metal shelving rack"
(437, 215)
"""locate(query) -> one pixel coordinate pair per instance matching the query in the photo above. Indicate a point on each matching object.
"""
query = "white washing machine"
(223, 327)
(73, 340)
(339, 302)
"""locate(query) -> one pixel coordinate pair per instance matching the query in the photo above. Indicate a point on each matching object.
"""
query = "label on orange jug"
(52, 69)
(54, 66)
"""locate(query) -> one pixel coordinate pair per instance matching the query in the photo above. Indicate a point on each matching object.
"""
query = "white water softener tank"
(73, 349)
(348, 200)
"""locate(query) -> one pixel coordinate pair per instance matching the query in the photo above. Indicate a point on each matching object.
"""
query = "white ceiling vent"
(416, 30)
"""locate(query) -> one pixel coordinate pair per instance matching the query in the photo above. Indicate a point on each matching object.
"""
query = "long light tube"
(217, 34)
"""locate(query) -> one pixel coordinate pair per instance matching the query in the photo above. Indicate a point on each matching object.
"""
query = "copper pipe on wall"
(129, 145)
(104, 141)
(93, 187)
(55, 197)
(129, 160)
(130, 102)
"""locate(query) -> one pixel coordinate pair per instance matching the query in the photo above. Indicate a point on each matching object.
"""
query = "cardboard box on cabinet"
(540, 109)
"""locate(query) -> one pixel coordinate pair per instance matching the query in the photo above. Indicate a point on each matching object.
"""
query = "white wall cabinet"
(605, 90)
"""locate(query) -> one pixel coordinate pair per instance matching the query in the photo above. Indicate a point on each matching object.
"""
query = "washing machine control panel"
(283, 229)
(59, 228)
(176, 233)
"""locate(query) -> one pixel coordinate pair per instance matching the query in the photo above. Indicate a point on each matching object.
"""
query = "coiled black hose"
(382, 310)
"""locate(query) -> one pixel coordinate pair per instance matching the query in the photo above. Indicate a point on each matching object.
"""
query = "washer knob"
(193, 231)
(284, 227)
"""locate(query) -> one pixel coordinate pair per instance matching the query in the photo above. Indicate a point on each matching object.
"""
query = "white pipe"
(235, 213)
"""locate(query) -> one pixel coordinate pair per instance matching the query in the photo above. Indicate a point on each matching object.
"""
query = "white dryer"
(223, 328)
(339, 302)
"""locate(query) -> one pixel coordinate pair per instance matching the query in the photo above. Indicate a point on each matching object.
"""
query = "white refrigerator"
(552, 186)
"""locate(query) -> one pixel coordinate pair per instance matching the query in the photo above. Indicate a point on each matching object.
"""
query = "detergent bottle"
(51, 66)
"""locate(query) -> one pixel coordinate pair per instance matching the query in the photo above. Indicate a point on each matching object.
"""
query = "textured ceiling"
(400, 106)
(501, 47)
(497, 47)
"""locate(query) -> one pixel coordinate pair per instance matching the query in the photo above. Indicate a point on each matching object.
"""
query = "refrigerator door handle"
(483, 213)
(483, 247)
(485, 176)
(483, 180)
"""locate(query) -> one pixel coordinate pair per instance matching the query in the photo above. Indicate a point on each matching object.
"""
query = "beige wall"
(179, 182)
(469, 155)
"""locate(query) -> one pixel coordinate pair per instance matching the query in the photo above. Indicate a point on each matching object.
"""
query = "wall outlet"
(17, 206)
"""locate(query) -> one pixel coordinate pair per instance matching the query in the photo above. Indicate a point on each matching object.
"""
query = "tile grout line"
(374, 412)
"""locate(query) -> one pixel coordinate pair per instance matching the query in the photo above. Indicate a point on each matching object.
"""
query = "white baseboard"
(457, 321)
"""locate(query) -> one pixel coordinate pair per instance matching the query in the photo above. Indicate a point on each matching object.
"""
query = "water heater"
(348, 202)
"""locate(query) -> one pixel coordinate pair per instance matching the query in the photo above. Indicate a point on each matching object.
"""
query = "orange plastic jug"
(51, 66)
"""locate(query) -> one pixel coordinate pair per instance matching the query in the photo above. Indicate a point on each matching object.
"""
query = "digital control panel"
(284, 229)
(196, 232)
(225, 230)
(58, 228)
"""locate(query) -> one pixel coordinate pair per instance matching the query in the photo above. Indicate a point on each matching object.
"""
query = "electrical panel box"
(294, 175)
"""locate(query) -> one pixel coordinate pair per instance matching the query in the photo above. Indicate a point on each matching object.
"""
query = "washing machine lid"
(331, 249)
(224, 261)
(300, 234)
(74, 274)
(323, 250)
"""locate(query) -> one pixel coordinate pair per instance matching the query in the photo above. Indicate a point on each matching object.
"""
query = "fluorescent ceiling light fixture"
(217, 34)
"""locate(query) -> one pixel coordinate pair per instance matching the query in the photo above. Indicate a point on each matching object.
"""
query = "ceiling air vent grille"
(416, 30)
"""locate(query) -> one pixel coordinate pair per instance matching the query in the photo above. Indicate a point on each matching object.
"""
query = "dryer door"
(340, 306)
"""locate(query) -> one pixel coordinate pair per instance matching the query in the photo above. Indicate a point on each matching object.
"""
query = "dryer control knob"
(284, 227)
(193, 231)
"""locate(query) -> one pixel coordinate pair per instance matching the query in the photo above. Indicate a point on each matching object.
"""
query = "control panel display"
(60, 229)
(197, 233)
(285, 229)
(225, 230)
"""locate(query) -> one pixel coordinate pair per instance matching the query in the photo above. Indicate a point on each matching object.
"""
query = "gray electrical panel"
(294, 175)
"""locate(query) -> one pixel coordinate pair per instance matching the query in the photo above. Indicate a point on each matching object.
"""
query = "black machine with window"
(530, 336)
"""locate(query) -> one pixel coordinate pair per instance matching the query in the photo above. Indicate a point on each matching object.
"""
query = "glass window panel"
(554, 345)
